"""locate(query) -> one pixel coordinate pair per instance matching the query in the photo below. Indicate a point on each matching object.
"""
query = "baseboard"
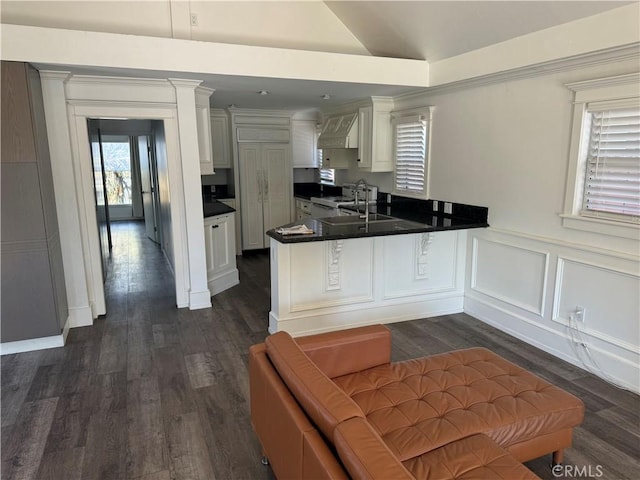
(80, 317)
(224, 281)
(312, 322)
(199, 300)
(42, 343)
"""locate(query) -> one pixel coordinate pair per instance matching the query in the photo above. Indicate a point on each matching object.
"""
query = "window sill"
(605, 227)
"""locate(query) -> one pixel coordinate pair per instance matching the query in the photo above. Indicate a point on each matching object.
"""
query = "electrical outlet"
(448, 208)
(579, 313)
(194, 19)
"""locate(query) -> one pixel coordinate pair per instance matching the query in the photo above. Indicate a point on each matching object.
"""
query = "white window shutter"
(327, 175)
(411, 145)
(612, 177)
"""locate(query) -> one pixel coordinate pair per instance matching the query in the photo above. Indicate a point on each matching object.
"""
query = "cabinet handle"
(265, 179)
(215, 226)
(259, 174)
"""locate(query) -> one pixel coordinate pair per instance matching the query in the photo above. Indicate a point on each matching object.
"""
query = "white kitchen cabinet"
(303, 208)
(338, 158)
(220, 247)
(375, 140)
(220, 140)
(304, 144)
(203, 123)
(266, 190)
(232, 203)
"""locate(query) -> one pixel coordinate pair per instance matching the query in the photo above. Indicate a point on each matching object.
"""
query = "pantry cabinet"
(266, 190)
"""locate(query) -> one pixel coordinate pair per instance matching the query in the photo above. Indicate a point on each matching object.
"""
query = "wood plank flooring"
(156, 393)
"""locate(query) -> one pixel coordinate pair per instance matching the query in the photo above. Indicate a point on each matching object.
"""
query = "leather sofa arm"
(348, 351)
(364, 454)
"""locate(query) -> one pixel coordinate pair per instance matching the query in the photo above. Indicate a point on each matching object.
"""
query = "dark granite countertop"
(214, 207)
(410, 216)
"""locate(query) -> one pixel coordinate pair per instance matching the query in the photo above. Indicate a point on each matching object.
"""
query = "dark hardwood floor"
(156, 393)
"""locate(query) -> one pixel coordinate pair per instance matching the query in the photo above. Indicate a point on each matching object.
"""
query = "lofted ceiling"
(424, 30)
(435, 30)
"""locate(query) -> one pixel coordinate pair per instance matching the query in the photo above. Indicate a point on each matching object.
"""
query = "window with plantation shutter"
(411, 148)
(612, 177)
(603, 177)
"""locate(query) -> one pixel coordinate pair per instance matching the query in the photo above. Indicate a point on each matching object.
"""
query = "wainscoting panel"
(596, 289)
(512, 274)
(337, 272)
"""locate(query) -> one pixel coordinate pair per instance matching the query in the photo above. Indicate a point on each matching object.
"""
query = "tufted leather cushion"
(420, 405)
(475, 457)
(321, 399)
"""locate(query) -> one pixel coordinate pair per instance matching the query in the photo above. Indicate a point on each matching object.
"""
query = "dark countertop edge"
(214, 208)
(286, 239)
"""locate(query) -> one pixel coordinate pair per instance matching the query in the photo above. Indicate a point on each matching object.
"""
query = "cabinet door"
(251, 195)
(277, 187)
(365, 117)
(220, 142)
(220, 249)
(303, 144)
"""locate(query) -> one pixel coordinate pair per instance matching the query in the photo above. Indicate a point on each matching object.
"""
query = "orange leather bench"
(334, 406)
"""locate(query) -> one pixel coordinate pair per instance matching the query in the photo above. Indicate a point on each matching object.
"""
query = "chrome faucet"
(363, 182)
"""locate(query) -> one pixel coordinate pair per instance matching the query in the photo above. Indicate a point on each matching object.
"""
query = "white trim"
(65, 191)
(41, 343)
(565, 244)
(601, 225)
(622, 89)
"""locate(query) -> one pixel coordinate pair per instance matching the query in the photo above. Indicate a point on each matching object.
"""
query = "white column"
(67, 208)
(199, 294)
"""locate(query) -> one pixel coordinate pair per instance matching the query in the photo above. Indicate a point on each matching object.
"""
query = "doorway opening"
(128, 203)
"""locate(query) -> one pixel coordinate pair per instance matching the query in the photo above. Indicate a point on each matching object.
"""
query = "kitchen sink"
(356, 220)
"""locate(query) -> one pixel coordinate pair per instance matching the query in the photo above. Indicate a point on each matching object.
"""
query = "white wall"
(505, 146)
(163, 191)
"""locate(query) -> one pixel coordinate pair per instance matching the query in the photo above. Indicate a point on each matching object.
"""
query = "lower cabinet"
(220, 244)
(232, 203)
(303, 209)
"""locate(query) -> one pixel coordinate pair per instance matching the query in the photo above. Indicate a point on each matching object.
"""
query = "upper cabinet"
(304, 144)
(220, 140)
(375, 142)
(204, 135)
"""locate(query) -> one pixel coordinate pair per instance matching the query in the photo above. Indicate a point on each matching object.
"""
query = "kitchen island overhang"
(347, 275)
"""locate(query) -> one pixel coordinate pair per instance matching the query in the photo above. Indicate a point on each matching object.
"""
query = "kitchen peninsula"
(406, 262)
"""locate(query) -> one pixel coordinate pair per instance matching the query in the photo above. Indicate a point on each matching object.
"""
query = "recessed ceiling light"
(263, 92)
(326, 96)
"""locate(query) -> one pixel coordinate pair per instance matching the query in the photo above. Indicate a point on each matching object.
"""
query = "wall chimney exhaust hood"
(340, 131)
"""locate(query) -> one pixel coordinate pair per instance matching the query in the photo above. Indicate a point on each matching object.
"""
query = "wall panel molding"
(484, 284)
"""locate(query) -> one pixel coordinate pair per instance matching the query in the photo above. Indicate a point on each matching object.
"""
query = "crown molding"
(600, 57)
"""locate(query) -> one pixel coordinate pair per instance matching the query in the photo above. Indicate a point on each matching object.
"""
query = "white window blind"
(327, 175)
(612, 177)
(411, 143)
